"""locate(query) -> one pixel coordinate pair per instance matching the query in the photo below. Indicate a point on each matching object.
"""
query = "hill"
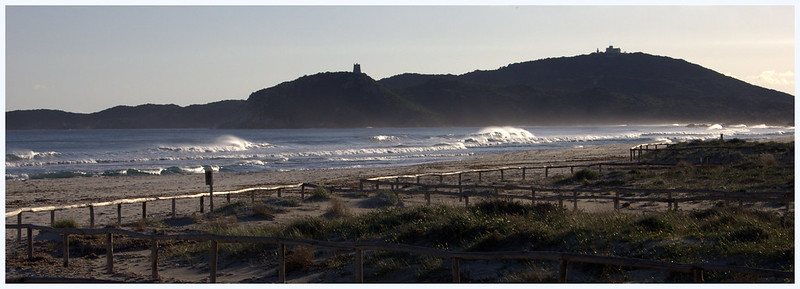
(597, 88)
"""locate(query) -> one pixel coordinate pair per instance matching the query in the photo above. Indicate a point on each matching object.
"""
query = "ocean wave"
(498, 135)
(384, 138)
(23, 155)
(225, 143)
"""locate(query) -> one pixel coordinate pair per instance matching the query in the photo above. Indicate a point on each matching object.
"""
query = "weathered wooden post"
(210, 183)
(441, 178)
(154, 258)
(616, 200)
(502, 175)
(456, 271)
(253, 196)
(697, 273)
(574, 200)
(30, 242)
(19, 229)
(144, 210)
(562, 271)
(280, 191)
(174, 213)
(303, 191)
(65, 248)
(523, 173)
(52, 218)
(571, 169)
(91, 216)
(546, 170)
(428, 198)
(281, 263)
(213, 270)
(466, 201)
(119, 214)
(669, 201)
(202, 206)
(359, 266)
(109, 253)
(533, 197)
(417, 179)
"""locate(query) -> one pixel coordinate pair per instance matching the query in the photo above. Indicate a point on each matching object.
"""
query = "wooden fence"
(201, 196)
(673, 197)
(637, 151)
(358, 249)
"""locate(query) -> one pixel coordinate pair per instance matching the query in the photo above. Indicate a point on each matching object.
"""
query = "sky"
(89, 58)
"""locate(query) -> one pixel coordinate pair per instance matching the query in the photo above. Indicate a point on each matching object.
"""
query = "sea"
(36, 154)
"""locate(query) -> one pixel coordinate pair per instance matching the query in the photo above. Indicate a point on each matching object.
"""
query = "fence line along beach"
(97, 201)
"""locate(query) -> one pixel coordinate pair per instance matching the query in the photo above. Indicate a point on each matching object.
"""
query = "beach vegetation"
(382, 199)
(724, 235)
(319, 194)
(65, 223)
(337, 209)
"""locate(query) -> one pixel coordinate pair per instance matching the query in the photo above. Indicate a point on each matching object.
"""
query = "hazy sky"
(89, 58)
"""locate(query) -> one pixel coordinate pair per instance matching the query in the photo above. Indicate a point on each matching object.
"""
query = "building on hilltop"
(357, 68)
(612, 50)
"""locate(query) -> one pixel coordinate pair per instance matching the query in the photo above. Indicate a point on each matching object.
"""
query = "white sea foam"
(225, 143)
(18, 155)
(715, 126)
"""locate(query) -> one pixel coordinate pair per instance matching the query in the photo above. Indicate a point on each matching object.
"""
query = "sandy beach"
(133, 266)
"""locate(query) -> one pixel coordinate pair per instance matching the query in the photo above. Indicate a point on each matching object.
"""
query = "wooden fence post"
(202, 206)
(697, 273)
(154, 258)
(210, 198)
(91, 216)
(466, 201)
(574, 200)
(65, 241)
(456, 271)
(669, 201)
(119, 214)
(279, 192)
(109, 253)
(616, 200)
(428, 198)
(523, 173)
(281, 263)
(144, 210)
(359, 266)
(502, 175)
(213, 265)
(546, 170)
(533, 197)
(30, 243)
(303, 191)
(52, 218)
(19, 229)
(562, 271)
(174, 213)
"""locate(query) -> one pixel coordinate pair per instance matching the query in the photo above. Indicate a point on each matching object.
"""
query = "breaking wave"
(23, 155)
(225, 143)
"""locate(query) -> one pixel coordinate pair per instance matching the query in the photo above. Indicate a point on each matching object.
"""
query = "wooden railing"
(358, 248)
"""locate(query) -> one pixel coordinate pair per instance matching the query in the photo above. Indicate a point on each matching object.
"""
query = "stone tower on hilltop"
(357, 68)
